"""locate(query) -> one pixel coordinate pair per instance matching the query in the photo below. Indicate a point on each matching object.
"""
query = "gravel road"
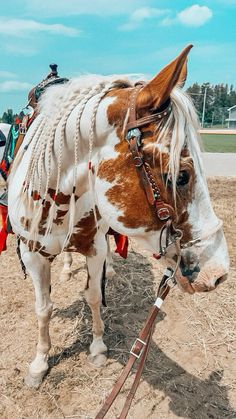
(220, 164)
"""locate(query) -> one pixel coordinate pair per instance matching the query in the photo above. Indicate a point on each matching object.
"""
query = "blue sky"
(112, 37)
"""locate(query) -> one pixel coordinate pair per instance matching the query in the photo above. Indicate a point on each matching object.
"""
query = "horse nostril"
(220, 280)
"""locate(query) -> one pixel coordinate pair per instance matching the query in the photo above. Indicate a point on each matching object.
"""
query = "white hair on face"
(180, 131)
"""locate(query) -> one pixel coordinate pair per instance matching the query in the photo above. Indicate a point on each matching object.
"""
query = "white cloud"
(14, 86)
(24, 28)
(138, 16)
(83, 7)
(7, 75)
(195, 15)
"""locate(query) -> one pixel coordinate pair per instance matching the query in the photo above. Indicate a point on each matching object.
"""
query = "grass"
(219, 143)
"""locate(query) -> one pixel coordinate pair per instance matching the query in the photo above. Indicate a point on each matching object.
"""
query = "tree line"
(218, 98)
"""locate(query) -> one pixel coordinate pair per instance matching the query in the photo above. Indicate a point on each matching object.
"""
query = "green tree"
(8, 117)
(219, 98)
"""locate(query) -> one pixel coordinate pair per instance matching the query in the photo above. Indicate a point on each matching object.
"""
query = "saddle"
(20, 127)
(14, 140)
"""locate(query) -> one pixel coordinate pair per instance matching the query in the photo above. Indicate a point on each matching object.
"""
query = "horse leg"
(110, 271)
(66, 271)
(39, 269)
(93, 296)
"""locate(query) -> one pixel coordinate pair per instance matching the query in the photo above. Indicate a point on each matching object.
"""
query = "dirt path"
(220, 164)
(191, 369)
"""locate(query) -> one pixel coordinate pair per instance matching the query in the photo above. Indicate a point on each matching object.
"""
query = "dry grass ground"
(191, 369)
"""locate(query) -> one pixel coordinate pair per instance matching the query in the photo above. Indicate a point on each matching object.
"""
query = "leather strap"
(133, 136)
(138, 162)
(134, 387)
(137, 123)
(148, 119)
(139, 350)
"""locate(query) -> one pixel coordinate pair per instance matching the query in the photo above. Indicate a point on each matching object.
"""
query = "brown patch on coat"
(35, 246)
(60, 214)
(61, 198)
(128, 194)
(82, 240)
(26, 223)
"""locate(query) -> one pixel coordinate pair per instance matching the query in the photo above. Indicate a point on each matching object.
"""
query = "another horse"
(84, 166)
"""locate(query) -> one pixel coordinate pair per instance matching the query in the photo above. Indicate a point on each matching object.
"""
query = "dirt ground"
(191, 368)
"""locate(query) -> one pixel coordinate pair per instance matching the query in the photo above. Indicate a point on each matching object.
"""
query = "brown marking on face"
(184, 194)
(82, 240)
(128, 193)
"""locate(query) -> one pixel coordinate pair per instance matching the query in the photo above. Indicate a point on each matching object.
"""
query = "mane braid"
(64, 101)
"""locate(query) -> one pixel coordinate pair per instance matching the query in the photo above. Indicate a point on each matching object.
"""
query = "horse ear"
(183, 75)
(158, 90)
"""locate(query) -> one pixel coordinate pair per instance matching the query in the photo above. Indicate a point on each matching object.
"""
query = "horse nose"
(213, 284)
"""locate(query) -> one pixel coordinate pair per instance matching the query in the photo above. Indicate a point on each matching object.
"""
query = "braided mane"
(55, 107)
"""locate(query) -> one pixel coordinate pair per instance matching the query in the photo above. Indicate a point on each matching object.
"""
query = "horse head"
(167, 149)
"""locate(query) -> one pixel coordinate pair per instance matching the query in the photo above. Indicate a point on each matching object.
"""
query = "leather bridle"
(163, 210)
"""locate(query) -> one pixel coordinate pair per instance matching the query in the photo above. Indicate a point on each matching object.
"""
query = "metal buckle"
(138, 161)
(190, 243)
(163, 213)
(134, 132)
(141, 349)
(171, 282)
(22, 129)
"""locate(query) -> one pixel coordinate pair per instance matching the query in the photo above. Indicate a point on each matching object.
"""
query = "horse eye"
(183, 178)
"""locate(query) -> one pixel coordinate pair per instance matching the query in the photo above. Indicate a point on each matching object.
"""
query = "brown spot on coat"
(82, 240)
(35, 246)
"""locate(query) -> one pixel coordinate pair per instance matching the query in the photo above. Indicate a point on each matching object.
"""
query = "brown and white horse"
(74, 177)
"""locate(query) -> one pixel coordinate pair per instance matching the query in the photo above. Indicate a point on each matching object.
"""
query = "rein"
(139, 350)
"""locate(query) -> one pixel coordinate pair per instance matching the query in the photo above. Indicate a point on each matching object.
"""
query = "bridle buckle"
(134, 133)
(163, 213)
